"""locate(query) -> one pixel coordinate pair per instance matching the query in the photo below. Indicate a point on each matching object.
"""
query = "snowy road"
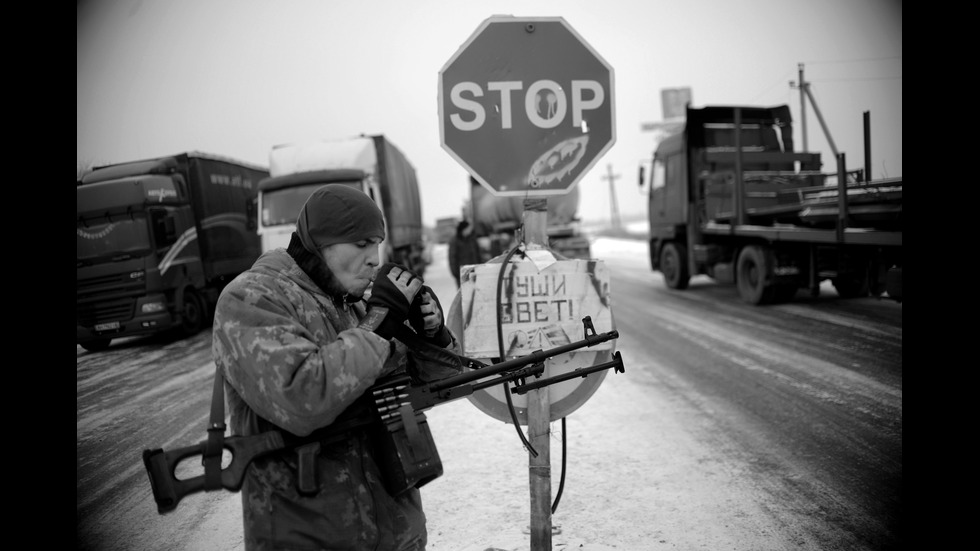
(733, 427)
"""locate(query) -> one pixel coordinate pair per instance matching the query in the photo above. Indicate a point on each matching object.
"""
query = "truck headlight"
(153, 307)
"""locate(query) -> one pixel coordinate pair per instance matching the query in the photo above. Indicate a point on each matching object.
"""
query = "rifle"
(395, 404)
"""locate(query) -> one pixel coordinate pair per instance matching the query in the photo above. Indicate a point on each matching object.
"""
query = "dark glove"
(392, 294)
(427, 318)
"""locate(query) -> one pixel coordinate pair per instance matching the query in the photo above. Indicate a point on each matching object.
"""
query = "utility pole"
(802, 107)
(805, 92)
(613, 205)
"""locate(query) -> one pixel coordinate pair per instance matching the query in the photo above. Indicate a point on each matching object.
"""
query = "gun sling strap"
(216, 434)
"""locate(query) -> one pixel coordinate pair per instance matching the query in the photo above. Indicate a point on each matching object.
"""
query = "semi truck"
(730, 198)
(497, 220)
(157, 240)
(370, 163)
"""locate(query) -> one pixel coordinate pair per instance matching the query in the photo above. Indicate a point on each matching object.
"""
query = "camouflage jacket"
(293, 357)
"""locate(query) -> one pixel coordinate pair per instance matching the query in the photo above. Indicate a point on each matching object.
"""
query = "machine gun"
(394, 407)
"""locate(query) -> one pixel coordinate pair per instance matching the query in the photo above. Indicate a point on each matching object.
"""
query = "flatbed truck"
(730, 198)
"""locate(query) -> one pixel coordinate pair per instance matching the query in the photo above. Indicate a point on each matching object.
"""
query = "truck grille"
(87, 315)
(106, 298)
(100, 284)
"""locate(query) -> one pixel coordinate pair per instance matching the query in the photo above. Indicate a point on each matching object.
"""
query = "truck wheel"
(752, 274)
(193, 315)
(97, 345)
(673, 264)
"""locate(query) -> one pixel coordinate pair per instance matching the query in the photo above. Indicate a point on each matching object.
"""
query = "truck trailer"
(157, 240)
(371, 164)
(730, 198)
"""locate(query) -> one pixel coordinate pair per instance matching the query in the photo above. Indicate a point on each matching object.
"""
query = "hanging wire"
(500, 346)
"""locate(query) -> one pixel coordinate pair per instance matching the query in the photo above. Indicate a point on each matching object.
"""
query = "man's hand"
(395, 288)
(431, 312)
(392, 294)
(427, 318)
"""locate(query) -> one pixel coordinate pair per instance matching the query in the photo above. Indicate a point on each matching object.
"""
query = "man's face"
(353, 264)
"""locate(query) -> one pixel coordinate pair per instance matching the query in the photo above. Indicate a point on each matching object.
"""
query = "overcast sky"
(236, 77)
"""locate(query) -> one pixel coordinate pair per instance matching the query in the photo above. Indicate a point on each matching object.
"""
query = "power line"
(780, 82)
(854, 79)
(858, 60)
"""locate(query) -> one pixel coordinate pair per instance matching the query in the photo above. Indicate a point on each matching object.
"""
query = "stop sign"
(526, 106)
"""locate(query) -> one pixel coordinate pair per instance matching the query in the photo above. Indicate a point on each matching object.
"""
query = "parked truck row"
(158, 239)
(730, 198)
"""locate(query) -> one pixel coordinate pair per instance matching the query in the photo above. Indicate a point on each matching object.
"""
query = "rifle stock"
(168, 489)
(408, 454)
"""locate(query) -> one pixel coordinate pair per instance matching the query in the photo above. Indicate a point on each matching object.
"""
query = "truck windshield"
(282, 206)
(105, 240)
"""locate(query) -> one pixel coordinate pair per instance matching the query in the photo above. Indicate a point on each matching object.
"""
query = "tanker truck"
(371, 164)
(497, 219)
(157, 240)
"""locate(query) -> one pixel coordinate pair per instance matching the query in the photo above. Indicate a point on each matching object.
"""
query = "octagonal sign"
(526, 106)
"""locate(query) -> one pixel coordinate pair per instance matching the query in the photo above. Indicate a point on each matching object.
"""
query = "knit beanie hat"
(337, 213)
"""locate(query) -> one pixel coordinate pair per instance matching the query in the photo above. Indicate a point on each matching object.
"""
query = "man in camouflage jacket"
(297, 345)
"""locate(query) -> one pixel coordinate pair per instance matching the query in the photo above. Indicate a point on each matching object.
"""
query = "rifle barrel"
(616, 362)
(516, 363)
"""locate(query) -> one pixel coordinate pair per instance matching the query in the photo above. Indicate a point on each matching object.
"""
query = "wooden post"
(539, 469)
(539, 407)
(613, 203)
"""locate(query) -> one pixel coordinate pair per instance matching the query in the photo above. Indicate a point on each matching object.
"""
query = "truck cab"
(281, 198)
(371, 164)
(133, 241)
(157, 240)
